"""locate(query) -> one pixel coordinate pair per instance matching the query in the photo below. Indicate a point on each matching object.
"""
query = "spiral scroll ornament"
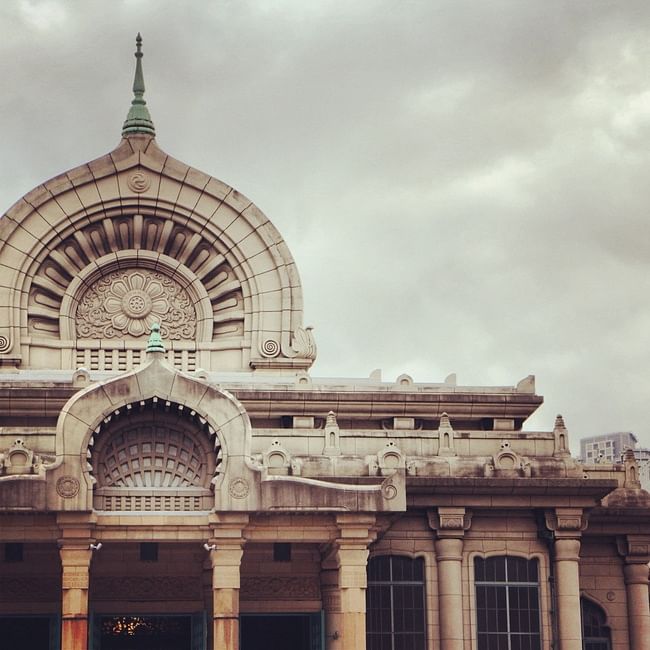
(5, 343)
(270, 348)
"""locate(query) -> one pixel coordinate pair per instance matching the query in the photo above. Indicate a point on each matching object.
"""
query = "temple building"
(173, 477)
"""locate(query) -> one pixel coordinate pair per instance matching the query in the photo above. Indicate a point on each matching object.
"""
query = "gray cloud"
(462, 184)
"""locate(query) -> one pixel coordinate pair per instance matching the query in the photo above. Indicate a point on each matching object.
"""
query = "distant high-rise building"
(610, 447)
(607, 448)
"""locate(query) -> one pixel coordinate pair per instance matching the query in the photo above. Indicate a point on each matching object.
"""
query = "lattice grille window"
(122, 360)
(154, 457)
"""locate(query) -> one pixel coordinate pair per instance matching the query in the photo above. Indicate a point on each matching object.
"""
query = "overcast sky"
(463, 184)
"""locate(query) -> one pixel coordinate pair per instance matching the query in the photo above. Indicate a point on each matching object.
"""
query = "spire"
(138, 120)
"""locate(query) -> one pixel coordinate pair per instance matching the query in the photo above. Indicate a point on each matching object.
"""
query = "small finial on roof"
(138, 119)
(155, 343)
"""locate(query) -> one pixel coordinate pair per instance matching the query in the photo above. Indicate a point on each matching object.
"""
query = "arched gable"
(86, 419)
(225, 287)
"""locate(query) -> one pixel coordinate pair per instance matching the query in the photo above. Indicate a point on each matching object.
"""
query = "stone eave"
(494, 488)
(23, 400)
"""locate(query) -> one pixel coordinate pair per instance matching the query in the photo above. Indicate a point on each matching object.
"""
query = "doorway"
(148, 632)
(281, 631)
(33, 632)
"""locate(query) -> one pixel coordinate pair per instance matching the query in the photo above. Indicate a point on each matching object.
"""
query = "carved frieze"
(280, 588)
(129, 302)
(30, 589)
(146, 588)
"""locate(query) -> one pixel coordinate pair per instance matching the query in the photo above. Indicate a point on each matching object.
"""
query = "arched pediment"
(137, 218)
(154, 432)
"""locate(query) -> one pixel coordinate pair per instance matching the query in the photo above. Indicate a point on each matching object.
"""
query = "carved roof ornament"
(332, 435)
(155, 343)
(303, 344)
(138, 119)
(446, 437)
(19, 459)
(561, 436)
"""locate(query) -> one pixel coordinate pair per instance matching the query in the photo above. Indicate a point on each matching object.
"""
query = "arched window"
(595, 633)
(507, 603)
(395, 605)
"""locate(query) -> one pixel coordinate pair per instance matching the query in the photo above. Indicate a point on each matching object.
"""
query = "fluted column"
(567, 525)
(636, 550)
(450, 525)
(225, 558)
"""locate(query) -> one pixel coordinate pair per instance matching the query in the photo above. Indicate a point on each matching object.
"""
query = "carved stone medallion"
(238, 488)
(67, 487)
(139, 182)
(129, 302)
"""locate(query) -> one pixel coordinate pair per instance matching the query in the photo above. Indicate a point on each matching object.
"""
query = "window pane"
(507, 608)
(395, 616)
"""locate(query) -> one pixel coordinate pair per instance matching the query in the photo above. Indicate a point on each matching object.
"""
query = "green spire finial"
(138, 120)
(155, 343)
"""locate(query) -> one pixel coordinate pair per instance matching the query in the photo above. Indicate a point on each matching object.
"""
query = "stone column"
(567, 525)
(75, 553)
(344, 577)
(331, 598)
(636, 550)
(225, 558)
(450, 525)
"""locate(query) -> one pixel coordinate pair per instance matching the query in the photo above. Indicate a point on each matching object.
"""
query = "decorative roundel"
(4, 343)
(67, 487)
(238, 488)
(270, 348)
(136, 303)
(139, 182)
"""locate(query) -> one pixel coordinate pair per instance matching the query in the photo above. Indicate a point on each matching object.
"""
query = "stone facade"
(195, 488)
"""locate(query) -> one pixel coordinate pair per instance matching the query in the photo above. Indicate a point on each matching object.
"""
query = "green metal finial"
(138, 120)
(155, 343)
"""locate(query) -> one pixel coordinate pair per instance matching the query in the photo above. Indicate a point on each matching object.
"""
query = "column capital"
(634, 548)
(566, 523)
(450, 522)
(353, 526)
